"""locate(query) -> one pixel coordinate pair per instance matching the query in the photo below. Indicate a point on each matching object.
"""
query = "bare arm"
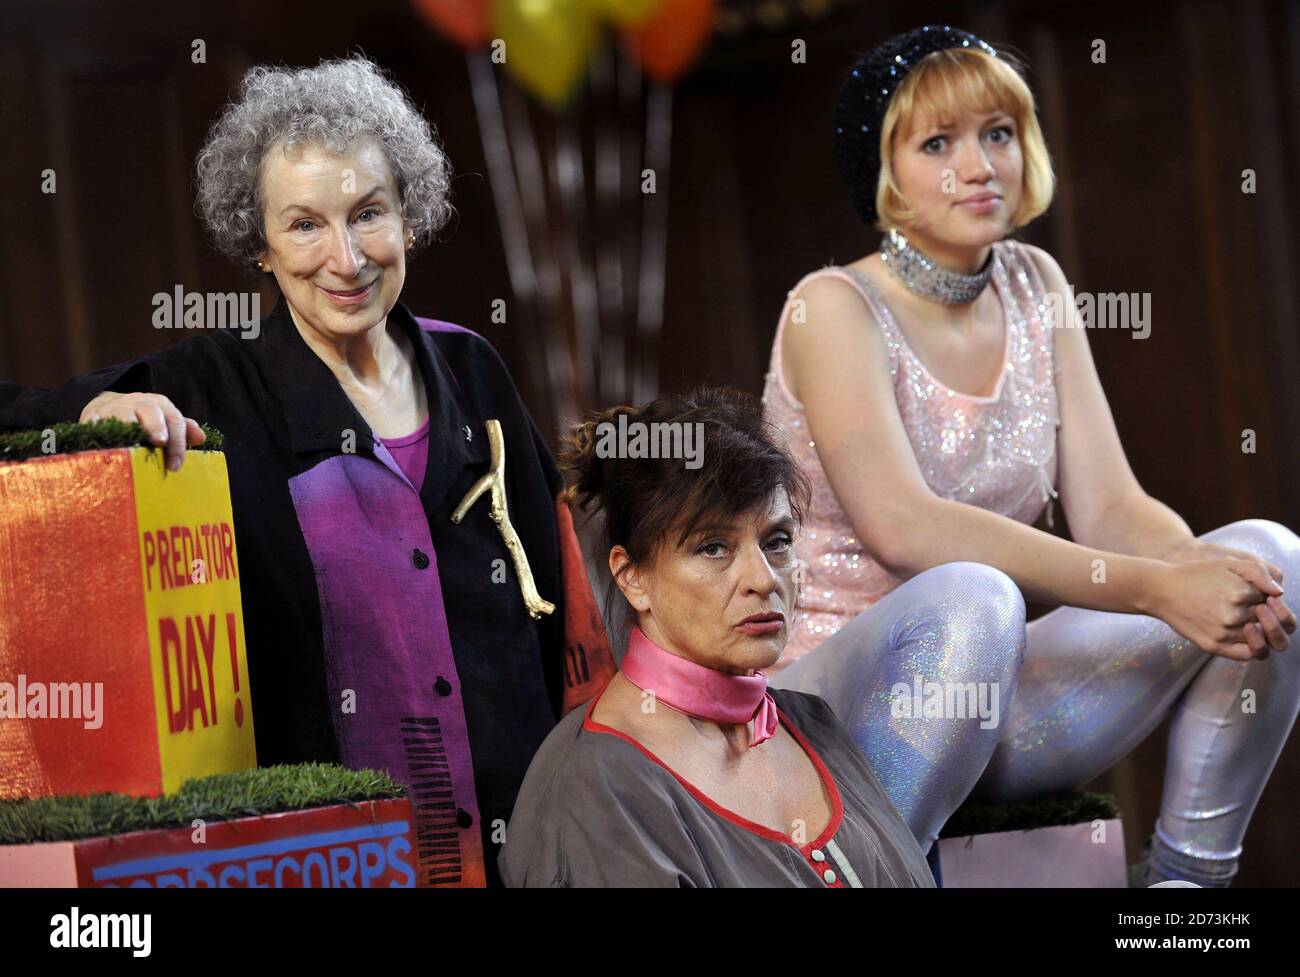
(1103, 501)
(1105, 504)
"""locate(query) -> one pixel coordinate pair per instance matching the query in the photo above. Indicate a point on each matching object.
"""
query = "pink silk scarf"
(700, 691)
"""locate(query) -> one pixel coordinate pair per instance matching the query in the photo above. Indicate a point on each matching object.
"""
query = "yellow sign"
(190, 576)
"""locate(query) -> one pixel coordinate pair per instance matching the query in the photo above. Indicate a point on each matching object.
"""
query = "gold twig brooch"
(495, 479)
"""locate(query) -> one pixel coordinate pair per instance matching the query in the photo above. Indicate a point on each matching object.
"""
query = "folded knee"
(1265, 539)
(971, 615)
(981, 593)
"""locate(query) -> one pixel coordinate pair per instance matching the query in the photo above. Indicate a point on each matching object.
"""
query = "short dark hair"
(644, 502)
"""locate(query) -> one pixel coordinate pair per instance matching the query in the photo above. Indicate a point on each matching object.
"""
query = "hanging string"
(608, 225)
(510, 217)
(570, 177)
(534, 187)
(654, 247)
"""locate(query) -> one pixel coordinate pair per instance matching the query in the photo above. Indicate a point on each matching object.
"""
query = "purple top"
(381, 597)
(411, 453)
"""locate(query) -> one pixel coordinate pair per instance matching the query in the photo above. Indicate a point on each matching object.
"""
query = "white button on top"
(817, 855)
(829, 876)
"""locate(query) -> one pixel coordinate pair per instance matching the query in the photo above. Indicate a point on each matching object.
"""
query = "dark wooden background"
(1149, 149)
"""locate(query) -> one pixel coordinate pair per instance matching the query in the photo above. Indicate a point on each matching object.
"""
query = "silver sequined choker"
(924, 277)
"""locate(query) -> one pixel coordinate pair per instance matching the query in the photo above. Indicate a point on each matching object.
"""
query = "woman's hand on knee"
(1274, 621)
(166, 425)
(1216, 604)
(1272, 629)
(1195, 549)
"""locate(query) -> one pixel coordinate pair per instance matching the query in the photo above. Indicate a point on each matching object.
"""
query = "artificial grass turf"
(1045, 812)
(94, 436)
(221, 797)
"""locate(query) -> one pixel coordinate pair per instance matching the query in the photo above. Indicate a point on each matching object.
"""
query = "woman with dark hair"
(936, 392)
(685, 771)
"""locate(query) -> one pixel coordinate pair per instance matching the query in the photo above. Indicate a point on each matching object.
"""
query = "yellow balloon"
(547, 44)
(625, 13)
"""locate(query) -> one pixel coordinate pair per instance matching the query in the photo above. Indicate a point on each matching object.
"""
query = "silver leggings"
(1070, 695)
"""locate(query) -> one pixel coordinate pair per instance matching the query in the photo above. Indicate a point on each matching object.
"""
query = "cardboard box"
(1085, 855)
(364, 845)
(122, 657)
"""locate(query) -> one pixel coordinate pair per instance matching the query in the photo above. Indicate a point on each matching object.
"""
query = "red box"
(363, 845)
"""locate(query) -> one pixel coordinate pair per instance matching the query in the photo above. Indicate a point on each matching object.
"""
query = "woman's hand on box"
(167, 427)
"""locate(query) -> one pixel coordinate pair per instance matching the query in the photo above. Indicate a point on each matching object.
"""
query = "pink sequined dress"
(996, 452)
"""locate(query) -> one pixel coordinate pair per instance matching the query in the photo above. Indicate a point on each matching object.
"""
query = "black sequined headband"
(864, 100)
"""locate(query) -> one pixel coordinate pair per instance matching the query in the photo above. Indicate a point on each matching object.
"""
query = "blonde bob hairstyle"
(941, 86)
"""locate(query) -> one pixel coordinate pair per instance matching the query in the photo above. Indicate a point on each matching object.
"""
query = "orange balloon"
(463, 21)
(671, 40)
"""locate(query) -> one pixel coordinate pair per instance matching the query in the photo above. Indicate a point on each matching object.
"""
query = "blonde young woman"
(938, 413)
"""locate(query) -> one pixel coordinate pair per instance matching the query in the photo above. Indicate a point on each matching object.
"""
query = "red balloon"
(463, 21)
(674, 36)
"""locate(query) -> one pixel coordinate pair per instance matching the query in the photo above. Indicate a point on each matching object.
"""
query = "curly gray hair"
(331, 105)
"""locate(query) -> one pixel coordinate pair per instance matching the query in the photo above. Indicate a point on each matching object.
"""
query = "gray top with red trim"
(596, 810)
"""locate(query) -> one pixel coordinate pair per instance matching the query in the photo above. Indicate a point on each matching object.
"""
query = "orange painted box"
(122, 657)
(363, 845)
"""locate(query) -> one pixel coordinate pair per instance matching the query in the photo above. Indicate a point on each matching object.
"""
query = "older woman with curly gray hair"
(391, 621)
